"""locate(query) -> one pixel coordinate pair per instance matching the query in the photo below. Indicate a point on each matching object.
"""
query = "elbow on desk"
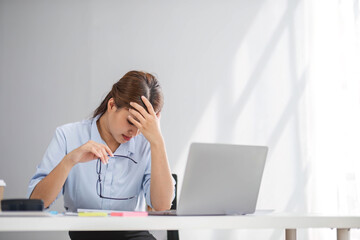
(161, 207)
(46, 203)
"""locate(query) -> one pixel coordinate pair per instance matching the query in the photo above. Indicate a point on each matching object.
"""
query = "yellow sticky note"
(92, 214)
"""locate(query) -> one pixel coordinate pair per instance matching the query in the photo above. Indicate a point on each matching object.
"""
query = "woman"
(112, 161)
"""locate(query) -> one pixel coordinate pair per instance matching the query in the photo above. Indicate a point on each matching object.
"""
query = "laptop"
(220, 179)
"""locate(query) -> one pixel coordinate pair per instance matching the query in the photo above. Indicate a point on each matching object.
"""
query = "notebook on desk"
(220, 179)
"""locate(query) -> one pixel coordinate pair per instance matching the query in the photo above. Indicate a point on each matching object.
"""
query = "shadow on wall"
(229, 116)
(208, 71)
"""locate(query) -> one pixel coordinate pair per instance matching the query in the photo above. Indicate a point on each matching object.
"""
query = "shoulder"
(75, 129)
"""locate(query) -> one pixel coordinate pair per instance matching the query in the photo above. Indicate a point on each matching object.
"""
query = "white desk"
(288, 222)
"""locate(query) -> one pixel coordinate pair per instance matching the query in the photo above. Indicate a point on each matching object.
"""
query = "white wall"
(231, 71)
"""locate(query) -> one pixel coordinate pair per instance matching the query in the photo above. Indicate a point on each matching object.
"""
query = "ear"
(111, 106)
(158, 115)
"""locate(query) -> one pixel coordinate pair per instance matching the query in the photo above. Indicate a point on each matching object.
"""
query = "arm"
(50, 186)
(161, 185)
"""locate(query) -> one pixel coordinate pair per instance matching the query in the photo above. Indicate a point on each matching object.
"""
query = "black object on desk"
(22, 205)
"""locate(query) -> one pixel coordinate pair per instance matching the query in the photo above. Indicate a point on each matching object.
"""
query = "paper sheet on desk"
(263, 211)
(113, 212)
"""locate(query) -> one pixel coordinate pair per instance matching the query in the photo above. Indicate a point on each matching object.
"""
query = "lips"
(126, 137)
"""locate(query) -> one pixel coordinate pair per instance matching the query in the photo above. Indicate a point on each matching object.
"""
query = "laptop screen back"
(221, 179)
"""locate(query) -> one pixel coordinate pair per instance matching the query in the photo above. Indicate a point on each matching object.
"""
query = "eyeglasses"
(99, 187)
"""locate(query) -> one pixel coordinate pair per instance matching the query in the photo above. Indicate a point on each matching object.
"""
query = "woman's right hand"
(90, 151)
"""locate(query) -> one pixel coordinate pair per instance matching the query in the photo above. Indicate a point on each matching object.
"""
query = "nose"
(133, 131)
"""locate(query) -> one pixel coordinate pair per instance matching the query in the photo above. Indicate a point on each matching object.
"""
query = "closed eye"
(130, 123)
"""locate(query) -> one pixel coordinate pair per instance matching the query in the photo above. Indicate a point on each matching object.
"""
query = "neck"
(105, 134)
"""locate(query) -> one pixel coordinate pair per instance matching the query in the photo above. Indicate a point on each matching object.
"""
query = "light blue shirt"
(121, 177)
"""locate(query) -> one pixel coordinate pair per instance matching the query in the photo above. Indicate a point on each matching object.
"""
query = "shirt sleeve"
(52, 157)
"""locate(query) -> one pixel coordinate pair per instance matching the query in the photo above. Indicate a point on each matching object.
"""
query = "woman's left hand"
(148, 122)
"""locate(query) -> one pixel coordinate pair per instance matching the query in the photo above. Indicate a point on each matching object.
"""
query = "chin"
(122, 140)
(119, 140)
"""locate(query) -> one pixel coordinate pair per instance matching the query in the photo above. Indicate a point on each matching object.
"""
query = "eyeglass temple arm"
(125, 157)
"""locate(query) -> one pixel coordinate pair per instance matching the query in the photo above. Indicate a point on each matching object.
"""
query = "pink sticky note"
(128, 214)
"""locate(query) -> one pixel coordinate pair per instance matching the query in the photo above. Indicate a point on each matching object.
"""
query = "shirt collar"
(123, 149)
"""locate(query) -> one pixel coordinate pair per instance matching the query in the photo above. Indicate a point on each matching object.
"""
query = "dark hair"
(130, 88)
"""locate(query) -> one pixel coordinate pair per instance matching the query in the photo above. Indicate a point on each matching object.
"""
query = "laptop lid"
(221, 179)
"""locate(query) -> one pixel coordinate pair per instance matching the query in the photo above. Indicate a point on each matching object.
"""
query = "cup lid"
(2, 183)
